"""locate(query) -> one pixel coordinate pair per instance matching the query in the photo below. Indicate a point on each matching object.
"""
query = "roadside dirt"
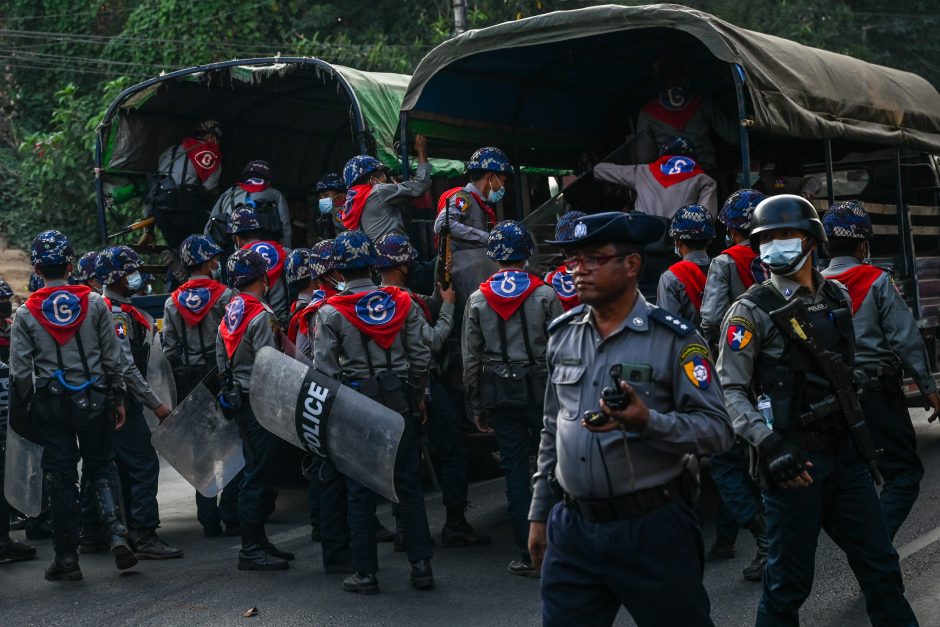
(15, 269)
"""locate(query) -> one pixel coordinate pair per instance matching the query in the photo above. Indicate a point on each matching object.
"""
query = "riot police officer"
(299, 283)
(813, 465)
(67, 379)
(118, 270)
(248, 325)
(325, 282)
(254, 190)
(246, 231)
(370, 338)
(191, 318)
(625, 532)
(887, 343)
(503, 346)
(85, 271)
(331, 197)
(682, 285)
(559, 278)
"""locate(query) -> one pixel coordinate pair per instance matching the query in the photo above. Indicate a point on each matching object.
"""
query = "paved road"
(205, 588)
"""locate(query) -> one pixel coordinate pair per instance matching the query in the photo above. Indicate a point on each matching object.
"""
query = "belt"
(882, 377)
(817, 441)
(626, 506)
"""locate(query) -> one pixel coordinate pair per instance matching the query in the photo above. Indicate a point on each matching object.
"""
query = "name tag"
(570, 361)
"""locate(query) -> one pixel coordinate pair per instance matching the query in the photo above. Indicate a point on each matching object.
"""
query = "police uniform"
(254, 190)
(842, 498)
(682, 285)
(673, 295)
(377, 209)
(244, 222)
(623, 535)
(345, 350)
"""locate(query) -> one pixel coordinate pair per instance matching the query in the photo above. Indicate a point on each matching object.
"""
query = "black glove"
(783, 460)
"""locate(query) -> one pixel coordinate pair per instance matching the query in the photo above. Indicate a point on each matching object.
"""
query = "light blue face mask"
(325, 205)
(134, 281)
(784, 256)
(675, 249)
(495, 195)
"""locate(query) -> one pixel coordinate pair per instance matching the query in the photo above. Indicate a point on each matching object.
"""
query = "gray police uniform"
(174, 161)
(469, 234)
(434, 332)
(671, 294)
(382, 212)
(698, 129)
(235, 195)
(842, 498)
(722, 287)
(192, 347)
(277, 296)
(887, 343)
(652, 198)
(622, 514)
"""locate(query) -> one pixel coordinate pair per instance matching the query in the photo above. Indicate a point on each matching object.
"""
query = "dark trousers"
(138, 468)
(444, 435)
(891, 429)
(333, 503)
(411, 514)
(842, 501)
(223, 508)
(313, 495)
(730, 474)
(651, 564)
(256, 491)
(517, 433)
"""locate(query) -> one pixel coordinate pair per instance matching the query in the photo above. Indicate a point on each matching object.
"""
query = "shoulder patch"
(694, 349)
(741, 321)
(565, 318)
(461, 201)
(698, 370)
(679, 326)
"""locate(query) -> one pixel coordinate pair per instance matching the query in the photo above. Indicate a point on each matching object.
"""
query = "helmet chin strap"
(794, 266)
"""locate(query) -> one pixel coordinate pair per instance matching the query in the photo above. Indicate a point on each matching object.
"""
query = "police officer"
(624, 533)
(887, 343)
(191, 318)
(254, 190)
(85, 271)
(373, 203)
(299, 283)
(673, 180)
(248, 325)
(246, 232)
(370, 338)
(682, 285)
(813, 469)
(325, 282)
(469, 213)
(503, 346)
(118, 270)
(331, 197)
(559, 278)
(67, 380)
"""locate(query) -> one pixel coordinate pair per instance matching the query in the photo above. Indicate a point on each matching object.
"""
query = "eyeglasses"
(591, 262)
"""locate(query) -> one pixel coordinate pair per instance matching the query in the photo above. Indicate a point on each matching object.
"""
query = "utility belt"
(386, 387)
(627, 506)
(884, 377)
(507, 386)
(92, 398)
(187, 374)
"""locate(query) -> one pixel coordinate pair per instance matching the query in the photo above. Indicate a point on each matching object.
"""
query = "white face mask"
(784, 256)
(134, 281)
(867, 257)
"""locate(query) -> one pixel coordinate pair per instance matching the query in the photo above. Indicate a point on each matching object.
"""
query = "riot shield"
(160, 378)
(22, 472)
(199, 443)
(320, 415)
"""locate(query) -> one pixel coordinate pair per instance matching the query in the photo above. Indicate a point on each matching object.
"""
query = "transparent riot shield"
(22, 472)
(160, 378)
(320, 415)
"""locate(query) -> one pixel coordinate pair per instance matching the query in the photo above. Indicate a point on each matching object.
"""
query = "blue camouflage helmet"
(490, 159)
(736, 212)
(692, 222)
(297, 265)
(564, 229)
(85, 270)
(5, 290)
(243, 220)
(353, 249)
(198, 249)
(359, 166)
(328, 182)
(847, 219)
(321, 258)
(509, 240)
(393, 250)
(244, 266)
(35, 282)
(51, 248)
(115, 263)
(678, 146)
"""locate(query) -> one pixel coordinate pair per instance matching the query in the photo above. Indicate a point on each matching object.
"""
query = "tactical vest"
(140, 349)
(793, 382)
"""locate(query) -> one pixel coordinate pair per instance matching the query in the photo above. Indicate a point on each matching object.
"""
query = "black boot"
(39, 528)
(151, 547)
(63, 510)
(13, 551)
(757, 527)
(268, 547)
(64, 568)
(252, 556)
(113, 522)
(362, 583)
(457, 530)
(421, 576)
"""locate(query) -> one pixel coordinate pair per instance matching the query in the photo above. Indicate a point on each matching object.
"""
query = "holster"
(386, 388)
(504, 386)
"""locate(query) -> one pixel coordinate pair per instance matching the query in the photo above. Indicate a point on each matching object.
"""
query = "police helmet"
(321, 258)
(352, 249)
(736, 212)
(359, 166)
(51, 248)
(259, 168)
(564, 228)
(786, 211)
(244, 266)
(330, 182)
(243, 220)
(85, 268)
(115, 263)
(195, 250)
(509, 240)
(847, 219)
(393, 250)
(297, 265)
(489, 159)
(678, 146)
(692, 222)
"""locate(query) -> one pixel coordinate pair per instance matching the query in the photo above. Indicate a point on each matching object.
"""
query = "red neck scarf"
(254, 188)
(507, 290)
(195, 298)
(240, 311)
(744, 259)
(692, 277)
(380, 314)
(858, 279)
(301, 321)
(563, 283)
(423, 304)
(351, 213)
(204, 157)
(131, 311)
(60, 310)
(669, 171)
(274, 254)
(487, 210)
(676, 118)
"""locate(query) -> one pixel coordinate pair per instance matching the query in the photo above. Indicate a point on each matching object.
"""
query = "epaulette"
(565, 318)
(679, 326)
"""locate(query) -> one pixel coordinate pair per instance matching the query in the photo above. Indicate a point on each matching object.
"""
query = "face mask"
(867, 257)
(495, 195)
(6, 309)
(217, 272)
(675, 249)
(729, 241)
(784, 256)
(325, 205)
(134, 281)
(341, 286)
